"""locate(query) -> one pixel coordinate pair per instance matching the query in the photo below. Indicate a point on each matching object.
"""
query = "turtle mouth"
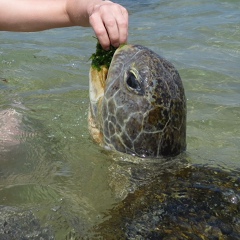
(102, 57)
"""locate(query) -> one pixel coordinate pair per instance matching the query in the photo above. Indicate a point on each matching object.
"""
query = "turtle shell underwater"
(138, 104)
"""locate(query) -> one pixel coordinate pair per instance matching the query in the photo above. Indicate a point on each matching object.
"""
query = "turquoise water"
(56, 169)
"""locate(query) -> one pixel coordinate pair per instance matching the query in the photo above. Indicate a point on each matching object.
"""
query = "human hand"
(109, 20)
(110, 23)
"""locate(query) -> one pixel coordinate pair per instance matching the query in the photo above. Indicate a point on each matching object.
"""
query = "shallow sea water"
(57, 170)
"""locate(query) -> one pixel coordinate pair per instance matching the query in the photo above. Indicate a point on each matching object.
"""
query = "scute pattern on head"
(142, 109)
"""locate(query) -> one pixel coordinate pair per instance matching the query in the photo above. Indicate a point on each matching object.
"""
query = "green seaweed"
(102, 57)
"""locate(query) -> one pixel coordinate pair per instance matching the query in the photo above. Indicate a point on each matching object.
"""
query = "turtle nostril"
(133, 82)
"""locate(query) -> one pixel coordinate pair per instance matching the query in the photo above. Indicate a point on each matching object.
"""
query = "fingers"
(110, 23)
(123, 26)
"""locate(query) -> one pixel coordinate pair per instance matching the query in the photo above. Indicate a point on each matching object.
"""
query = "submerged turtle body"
(192, 203)
(140, 108)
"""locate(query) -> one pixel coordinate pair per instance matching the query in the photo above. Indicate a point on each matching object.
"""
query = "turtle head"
(143, 106)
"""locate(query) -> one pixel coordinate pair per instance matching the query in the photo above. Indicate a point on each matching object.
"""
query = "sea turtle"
(190, 203)
(138, 105)
(141, 110)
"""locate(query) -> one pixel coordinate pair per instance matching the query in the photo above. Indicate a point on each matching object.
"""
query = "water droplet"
(234, 199)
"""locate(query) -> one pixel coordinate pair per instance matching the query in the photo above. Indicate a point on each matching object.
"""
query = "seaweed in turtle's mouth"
(102, 57)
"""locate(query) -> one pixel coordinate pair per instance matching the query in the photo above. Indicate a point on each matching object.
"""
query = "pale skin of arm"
(108, 20)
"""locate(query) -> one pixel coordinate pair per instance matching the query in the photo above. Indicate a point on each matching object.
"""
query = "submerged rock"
(10, 131)
(16, 223)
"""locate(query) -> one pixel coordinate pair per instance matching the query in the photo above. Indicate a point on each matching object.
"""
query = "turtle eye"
(133, 83)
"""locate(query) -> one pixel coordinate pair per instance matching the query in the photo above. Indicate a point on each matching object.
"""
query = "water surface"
(56, 169)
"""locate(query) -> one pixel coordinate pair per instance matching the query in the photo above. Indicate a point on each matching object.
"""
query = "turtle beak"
(97, 83)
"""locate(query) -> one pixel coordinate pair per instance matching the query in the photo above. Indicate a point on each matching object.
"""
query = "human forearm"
(109, 20)
(33, 15)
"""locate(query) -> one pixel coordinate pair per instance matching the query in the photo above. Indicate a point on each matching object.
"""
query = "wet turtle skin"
(194, 203)
(142, 108)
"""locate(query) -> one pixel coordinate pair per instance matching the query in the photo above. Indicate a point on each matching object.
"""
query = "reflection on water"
(56, 171)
